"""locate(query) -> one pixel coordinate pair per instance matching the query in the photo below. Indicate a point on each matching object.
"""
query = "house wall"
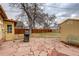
(9, 36)
(1, 25)
(70, 27)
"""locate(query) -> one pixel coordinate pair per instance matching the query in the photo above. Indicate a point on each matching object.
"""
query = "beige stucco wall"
(70, 27)
(9, 36)
(1, 27)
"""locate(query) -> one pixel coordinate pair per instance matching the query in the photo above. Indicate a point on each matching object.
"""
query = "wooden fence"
(21, 31)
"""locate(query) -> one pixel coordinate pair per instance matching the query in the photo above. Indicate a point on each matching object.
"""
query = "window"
(9, 28)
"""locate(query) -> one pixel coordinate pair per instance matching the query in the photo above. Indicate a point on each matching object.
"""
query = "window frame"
(9, 28)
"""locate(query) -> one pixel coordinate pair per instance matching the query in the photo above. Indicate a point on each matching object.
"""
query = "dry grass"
(45, 34)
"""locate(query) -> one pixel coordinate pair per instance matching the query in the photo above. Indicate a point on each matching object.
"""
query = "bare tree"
(30, 10)
(49, 20)
(45, 20)
(34, 14)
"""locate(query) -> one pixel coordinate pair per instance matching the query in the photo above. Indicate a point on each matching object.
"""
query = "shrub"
(71, 39)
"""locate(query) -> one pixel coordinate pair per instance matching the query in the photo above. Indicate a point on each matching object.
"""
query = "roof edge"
(70, 19)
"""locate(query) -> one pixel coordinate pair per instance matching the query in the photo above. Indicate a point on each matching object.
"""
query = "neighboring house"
(6, 26)
(69, 27)
(19, 25)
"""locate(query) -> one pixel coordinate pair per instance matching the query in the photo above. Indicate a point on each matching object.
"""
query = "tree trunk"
(34, 16)
(33, 25)
(30, 27)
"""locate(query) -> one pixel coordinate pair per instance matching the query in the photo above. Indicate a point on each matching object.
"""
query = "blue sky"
(61, 10)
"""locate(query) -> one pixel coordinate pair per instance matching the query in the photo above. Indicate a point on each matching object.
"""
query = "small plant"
(71, 39)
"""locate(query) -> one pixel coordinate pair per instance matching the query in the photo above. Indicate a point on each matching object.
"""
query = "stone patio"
(37, 47)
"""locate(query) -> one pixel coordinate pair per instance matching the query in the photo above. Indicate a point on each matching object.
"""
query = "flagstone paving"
(37, 47)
